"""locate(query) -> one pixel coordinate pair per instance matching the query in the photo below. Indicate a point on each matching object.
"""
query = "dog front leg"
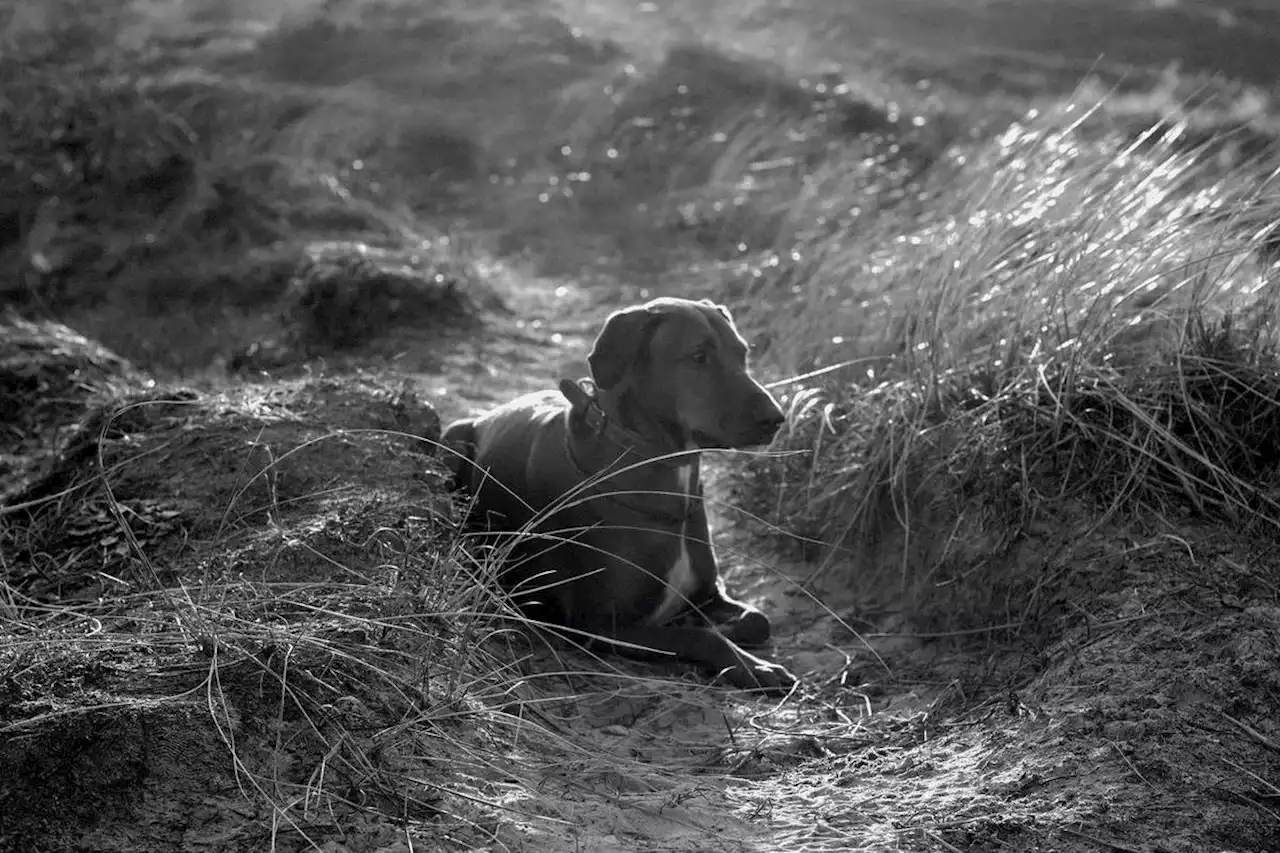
(705, 646)
(736, 620)
(459, 452)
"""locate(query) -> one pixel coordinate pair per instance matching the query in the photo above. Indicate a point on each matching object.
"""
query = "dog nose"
(770, 420)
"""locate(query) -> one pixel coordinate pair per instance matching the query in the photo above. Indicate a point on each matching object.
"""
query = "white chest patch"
(680, 580)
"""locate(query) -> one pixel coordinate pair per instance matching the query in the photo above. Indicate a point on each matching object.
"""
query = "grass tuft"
(346, 300)
(1058, 324)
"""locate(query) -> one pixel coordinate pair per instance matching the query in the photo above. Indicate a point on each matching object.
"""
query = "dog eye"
(699, 357)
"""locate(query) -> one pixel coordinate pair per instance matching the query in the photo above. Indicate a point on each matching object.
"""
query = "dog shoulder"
(513, 429)
(459, 450)
(523, 413)
(534, 402)
(460, 432)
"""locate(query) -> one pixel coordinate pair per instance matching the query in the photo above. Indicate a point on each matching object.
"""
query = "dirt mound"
(705, 149)
(221, 609)
(696, 92)
(183, 217)
(671, 125)
(50, 378)
(343, 295)
(127, 474)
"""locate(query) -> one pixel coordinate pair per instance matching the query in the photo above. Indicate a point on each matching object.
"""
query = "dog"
(602, 477)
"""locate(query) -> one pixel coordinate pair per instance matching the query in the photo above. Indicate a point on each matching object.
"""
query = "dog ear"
(617, 345)
(726, 316)
(724, 312)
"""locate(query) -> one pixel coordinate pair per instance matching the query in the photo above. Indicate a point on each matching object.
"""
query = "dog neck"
(597, 443)
(607, 417)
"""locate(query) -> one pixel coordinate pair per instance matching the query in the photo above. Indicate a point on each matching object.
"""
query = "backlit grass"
(1066, 325)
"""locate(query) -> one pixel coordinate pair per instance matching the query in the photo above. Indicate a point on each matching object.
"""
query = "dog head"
(682, 365)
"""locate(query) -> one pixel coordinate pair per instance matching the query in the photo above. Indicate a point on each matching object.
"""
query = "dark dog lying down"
(634, 549)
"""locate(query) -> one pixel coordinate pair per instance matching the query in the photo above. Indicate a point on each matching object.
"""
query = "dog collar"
(582, 396)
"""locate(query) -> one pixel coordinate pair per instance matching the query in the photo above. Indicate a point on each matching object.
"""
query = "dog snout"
(769, 422)
(767, 419)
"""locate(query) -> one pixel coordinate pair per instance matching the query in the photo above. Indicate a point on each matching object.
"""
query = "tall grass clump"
(378, 694)
(1065, 325)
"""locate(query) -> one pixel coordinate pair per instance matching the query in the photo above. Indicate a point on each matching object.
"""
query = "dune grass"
(1065, 324)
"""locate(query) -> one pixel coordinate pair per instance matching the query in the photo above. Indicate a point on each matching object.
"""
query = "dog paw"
(751, 628)
(761, 675)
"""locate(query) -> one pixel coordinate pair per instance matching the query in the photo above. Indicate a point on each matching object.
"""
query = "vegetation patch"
(228, 617)
(208, 464)
(1074, 333)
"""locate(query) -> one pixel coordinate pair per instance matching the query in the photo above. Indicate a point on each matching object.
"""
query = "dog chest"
(681, 583)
